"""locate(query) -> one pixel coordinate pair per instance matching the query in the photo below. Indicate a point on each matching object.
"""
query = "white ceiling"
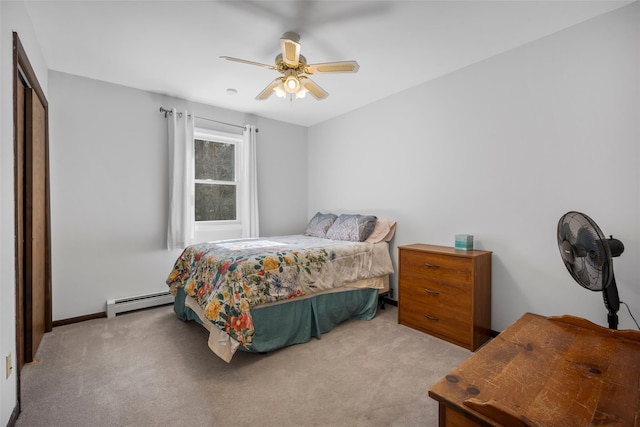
(173, 47)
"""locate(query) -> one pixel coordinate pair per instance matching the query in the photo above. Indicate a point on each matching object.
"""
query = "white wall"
(501, 150)
(109, 188)
(13, 17)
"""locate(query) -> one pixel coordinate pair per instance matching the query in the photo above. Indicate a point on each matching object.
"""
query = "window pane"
(214, 160)
(215, 202)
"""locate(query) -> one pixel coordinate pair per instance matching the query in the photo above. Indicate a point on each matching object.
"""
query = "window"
(216, 183)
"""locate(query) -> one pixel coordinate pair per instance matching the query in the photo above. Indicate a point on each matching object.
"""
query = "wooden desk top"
(557, 371)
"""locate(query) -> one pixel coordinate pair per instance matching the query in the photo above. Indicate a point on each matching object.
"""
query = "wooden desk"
(556, 371)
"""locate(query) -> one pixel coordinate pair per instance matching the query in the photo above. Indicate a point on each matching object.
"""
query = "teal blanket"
(296, 321)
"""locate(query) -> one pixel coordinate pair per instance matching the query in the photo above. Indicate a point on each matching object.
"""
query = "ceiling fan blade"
(244, 61)
(290, 49)
(333, 67)
(313, 88)
(268, 90)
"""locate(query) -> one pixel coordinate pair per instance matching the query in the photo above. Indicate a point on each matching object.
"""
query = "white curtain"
(180, 231)
(249, 180)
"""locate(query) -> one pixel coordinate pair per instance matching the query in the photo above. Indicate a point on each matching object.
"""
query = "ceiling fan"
(294, 68)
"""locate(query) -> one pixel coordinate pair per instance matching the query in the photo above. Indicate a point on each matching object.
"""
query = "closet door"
(35, 224)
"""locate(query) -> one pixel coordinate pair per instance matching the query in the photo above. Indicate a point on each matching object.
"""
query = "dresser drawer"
(452, 297)
(451, 325)
(435, 266)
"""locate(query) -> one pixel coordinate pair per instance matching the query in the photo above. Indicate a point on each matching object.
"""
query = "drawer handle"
(432, 318)
(430, 292)
(426, 264)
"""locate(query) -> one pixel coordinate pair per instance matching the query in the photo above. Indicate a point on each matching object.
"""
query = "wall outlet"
(9, 366)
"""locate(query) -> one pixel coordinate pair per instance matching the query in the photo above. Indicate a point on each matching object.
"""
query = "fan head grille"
(585, 251)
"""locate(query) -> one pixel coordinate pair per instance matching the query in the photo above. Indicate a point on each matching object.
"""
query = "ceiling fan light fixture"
(280, 91)
(292, 84)
(301, 93)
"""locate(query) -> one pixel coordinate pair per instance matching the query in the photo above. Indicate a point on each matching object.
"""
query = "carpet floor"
(148, 368)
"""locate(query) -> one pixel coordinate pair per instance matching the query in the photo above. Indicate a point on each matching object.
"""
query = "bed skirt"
(294, 321)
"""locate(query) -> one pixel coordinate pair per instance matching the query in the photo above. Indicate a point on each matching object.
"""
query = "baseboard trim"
(103, 314)
(79, 319)
(14, 416)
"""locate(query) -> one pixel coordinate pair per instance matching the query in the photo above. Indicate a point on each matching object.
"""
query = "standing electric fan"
(587, 254)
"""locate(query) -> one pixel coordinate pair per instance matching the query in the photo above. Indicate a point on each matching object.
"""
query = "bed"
(261, 294)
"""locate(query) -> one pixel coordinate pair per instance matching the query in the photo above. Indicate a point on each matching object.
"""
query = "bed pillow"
(352, 227)
(319, 224)
(383, 232)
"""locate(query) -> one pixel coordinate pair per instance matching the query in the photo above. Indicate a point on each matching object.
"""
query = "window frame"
(219, 229)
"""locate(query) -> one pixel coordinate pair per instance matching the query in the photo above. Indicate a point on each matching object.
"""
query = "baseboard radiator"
(121, 305)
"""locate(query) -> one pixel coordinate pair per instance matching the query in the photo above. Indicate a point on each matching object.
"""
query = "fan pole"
(612, 318)
(612, 302)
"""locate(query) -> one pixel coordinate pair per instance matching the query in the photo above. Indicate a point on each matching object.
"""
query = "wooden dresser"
(446, 293)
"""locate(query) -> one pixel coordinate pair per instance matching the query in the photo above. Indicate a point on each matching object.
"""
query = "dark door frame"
(23, 74)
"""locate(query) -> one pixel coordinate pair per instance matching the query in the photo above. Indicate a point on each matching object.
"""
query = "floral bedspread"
(228, 278)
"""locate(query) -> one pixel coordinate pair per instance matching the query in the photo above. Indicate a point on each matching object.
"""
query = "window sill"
(210, 232)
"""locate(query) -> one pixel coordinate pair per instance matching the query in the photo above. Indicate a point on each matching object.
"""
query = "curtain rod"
(170, 112)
